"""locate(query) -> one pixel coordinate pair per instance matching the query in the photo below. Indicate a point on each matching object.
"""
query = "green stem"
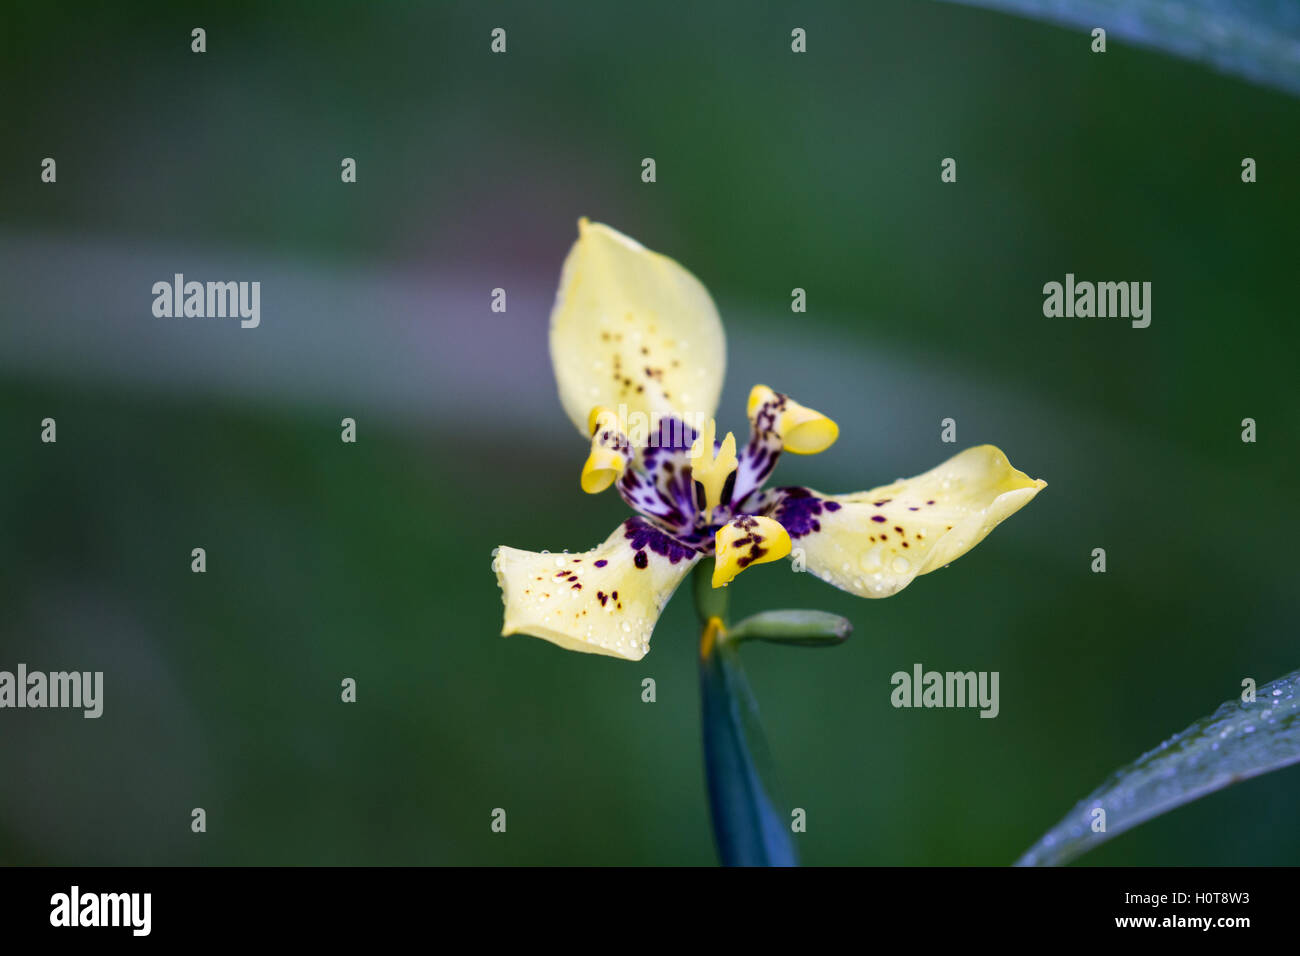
(710, 602)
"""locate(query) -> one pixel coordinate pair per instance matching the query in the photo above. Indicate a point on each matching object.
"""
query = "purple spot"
(601, 563)
(880, 518)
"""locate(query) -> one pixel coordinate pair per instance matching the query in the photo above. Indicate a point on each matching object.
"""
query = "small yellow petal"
(603, 467)
(802, 430)
(610, 451)
(746, 540)
(709, 470)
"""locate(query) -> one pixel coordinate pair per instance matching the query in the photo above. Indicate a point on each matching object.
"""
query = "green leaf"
(1258, 40)
(801, 628)
(749, 826)
(1238, 741)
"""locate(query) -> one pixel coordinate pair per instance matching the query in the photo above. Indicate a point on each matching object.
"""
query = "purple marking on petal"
(797, 510)
(601, 563)
(880, 518)
(642, 536)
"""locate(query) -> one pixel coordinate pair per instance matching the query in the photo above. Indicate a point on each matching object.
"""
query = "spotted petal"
(874, 543)
(632, 328)
(602, 601)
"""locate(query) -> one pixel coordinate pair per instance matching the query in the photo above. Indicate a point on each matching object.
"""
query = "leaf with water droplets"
(1238, 741)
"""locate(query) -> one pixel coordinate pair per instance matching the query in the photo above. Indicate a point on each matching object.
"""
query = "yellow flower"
(639, 356)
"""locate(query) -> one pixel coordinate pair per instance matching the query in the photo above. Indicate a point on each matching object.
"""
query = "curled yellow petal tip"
(609, 452)
(803, 430)
(746, 540)
(808, 432)
(603, 467)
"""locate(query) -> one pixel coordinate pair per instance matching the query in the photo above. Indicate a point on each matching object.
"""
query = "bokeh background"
(372, 560)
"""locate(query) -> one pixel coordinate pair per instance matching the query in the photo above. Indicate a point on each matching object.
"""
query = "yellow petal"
(602, 468)
(610, 452)
(602, 601)
(747, 540)
(632, 328)
(710, 471)
(802, 430)
(874, 543)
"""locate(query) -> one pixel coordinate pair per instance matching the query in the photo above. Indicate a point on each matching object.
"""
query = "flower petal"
(602, 601)
(776, 423)
(874, 543)
(659, 484)
(610, 452)
(747, 540)
(633, 328)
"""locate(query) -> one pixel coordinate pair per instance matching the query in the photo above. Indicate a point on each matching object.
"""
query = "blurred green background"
(372, 560)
